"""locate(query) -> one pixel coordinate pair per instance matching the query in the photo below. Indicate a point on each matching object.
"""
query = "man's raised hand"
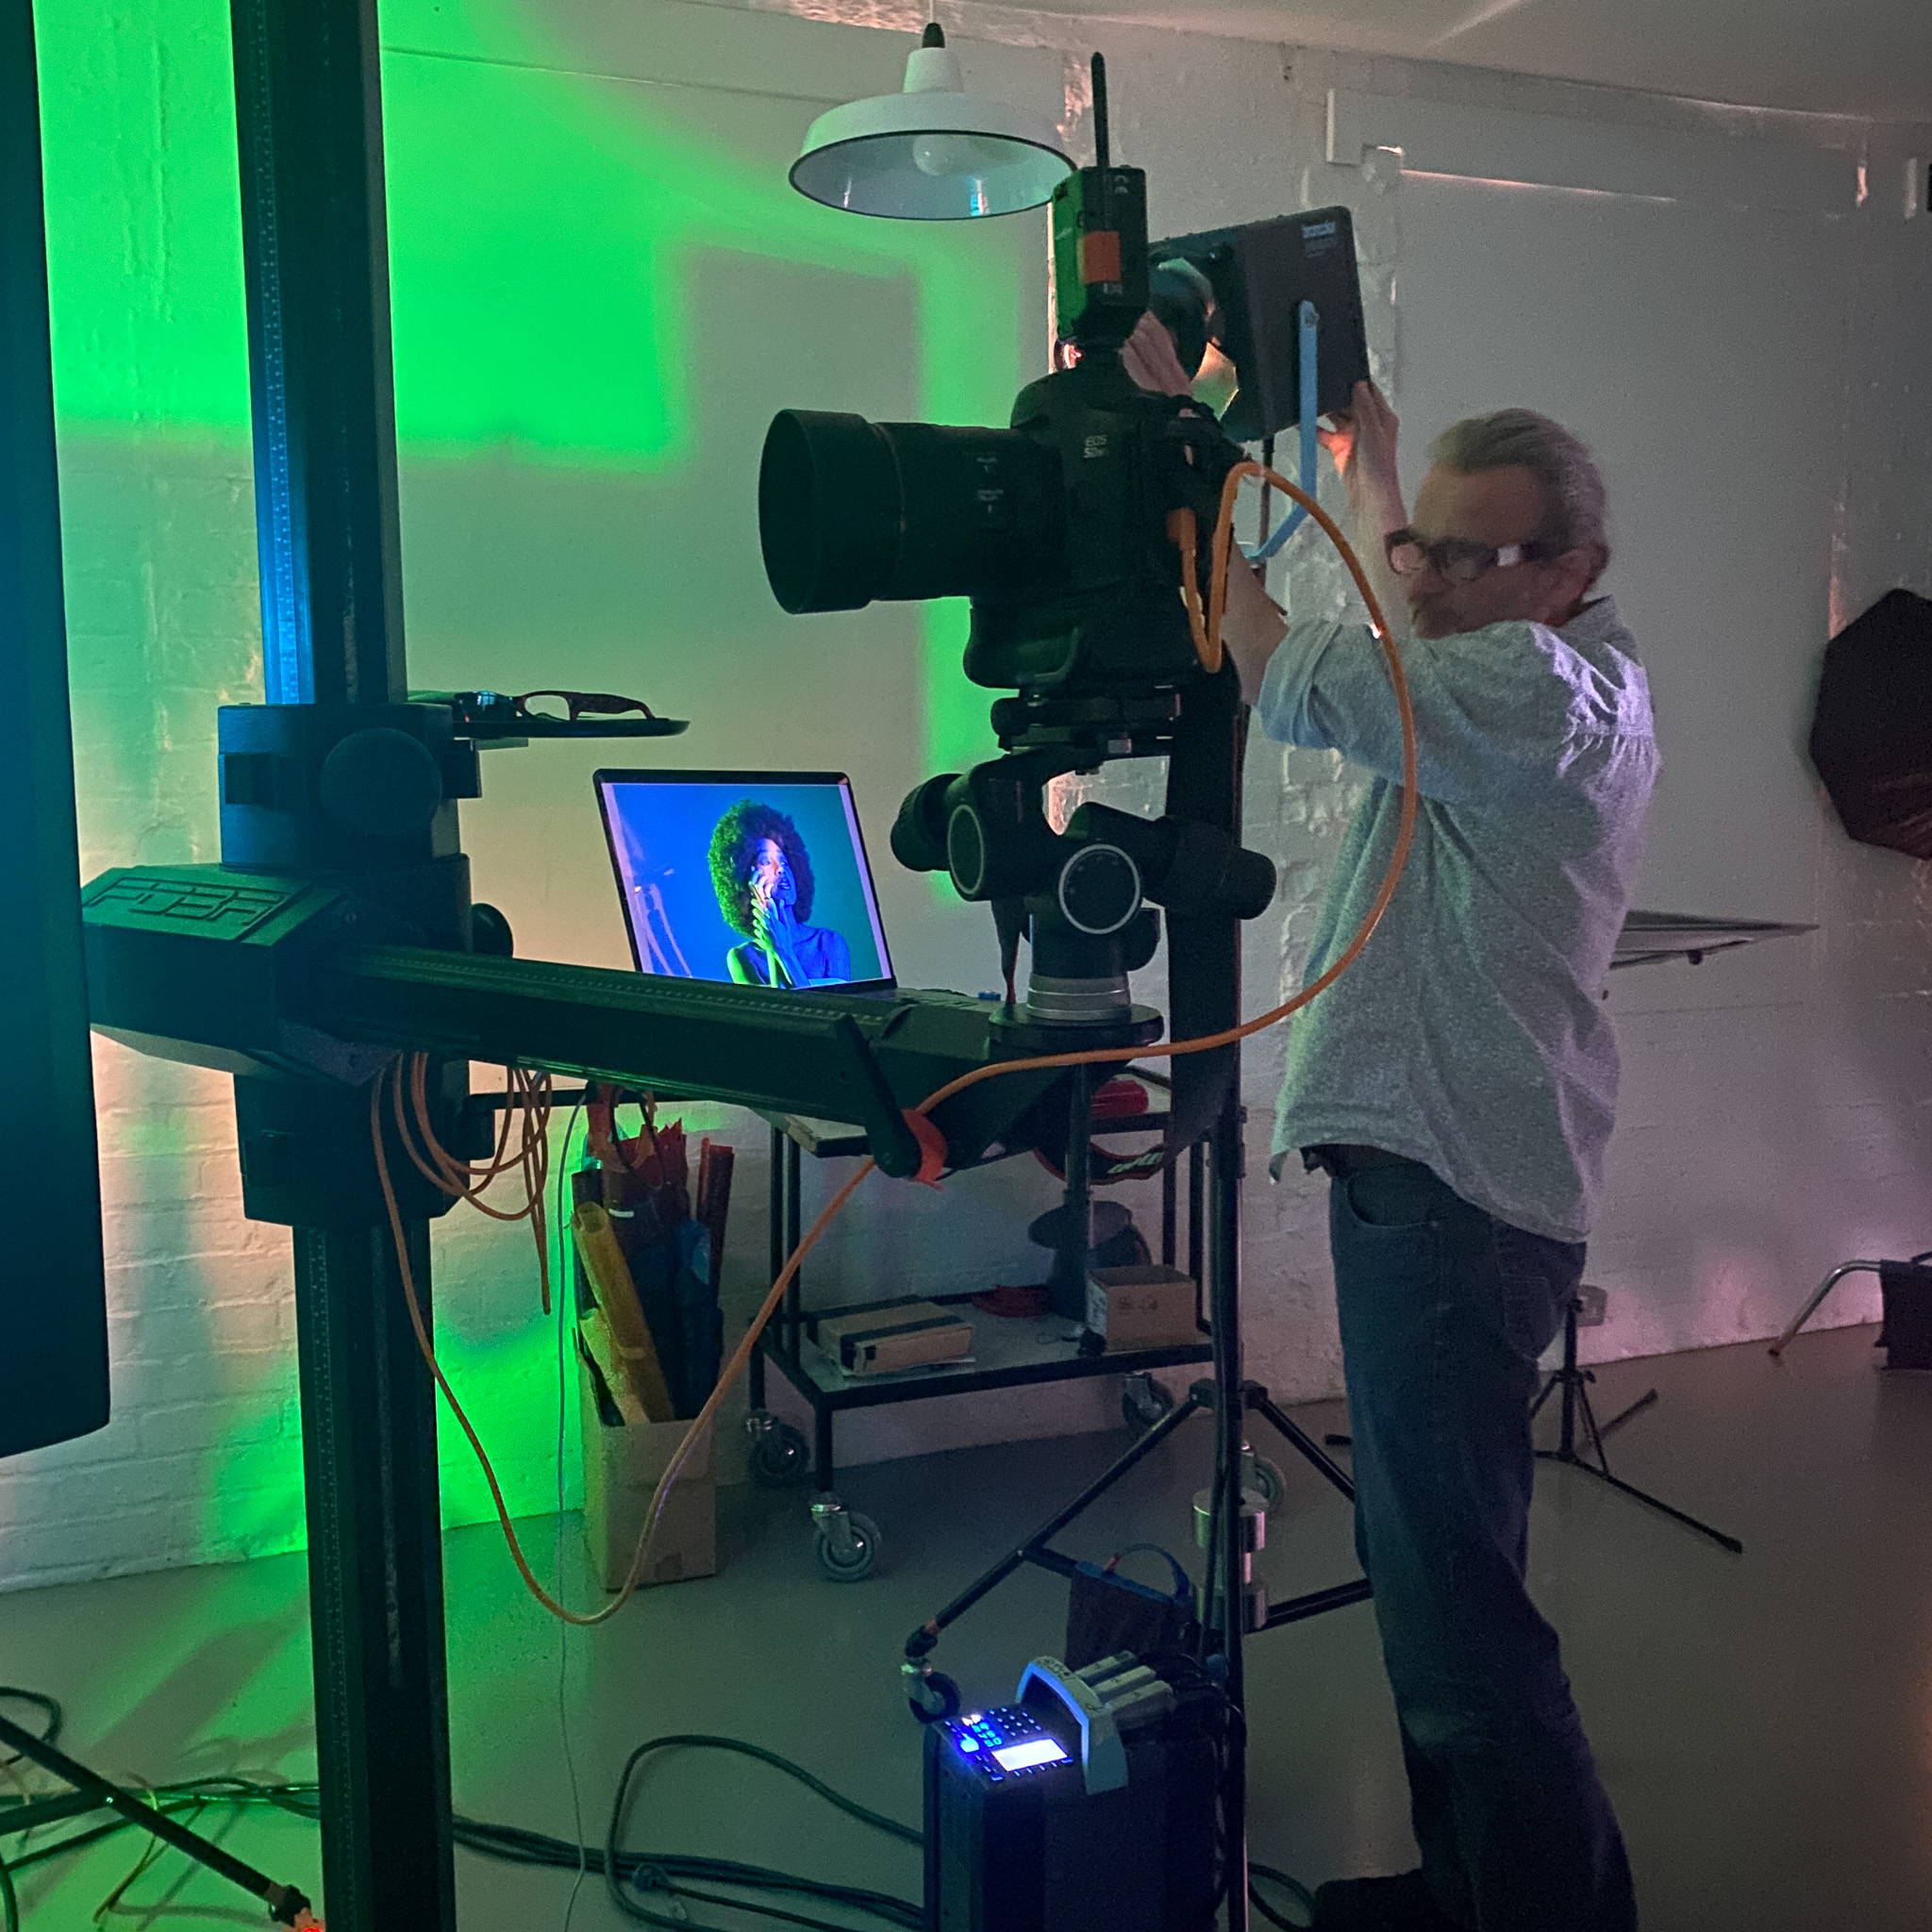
(1362, 442)
(1150, 358)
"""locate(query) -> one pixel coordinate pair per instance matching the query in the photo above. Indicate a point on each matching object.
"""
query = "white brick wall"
(1815, 1093)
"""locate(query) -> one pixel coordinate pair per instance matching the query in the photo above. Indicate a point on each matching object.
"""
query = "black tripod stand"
(89, 1791)
(1083, 899)
(1202, 1398)
(1233, 1605)
(1575, 1383)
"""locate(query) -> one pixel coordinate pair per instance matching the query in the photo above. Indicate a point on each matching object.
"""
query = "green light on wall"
(546, 227)
(539, 226)
(551, 232)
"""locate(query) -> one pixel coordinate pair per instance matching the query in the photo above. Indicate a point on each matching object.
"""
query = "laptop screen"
(758, 877)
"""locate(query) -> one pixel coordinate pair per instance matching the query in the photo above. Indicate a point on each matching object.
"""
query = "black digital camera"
(1058, 527)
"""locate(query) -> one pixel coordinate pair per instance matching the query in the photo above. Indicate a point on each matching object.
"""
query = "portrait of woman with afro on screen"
(762, 876)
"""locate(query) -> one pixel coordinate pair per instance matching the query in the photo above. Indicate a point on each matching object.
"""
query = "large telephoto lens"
(850, 510)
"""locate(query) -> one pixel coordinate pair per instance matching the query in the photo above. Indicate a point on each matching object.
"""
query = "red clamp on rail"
(932, 1149)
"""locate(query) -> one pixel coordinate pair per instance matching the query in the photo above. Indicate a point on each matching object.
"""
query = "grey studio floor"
(1765, 1722)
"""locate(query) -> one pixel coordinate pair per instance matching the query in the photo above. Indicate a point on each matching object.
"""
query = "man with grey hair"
(1457, 1086)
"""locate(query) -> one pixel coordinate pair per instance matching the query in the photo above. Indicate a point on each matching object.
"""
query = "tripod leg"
(1623, 1415)
(1144, 1447)
(1595, 1434)
(1314, 1603)
(1543, 1395)
(135, 1808)
(1656, 1503)
(1599, 1469)
(1301, 1443)
(1817, 1301)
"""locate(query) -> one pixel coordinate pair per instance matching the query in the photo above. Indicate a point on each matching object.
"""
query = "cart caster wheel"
(847, 1546)
(1143, 1402)
(935, 1699)
(1265, 1478)
(780, 1457)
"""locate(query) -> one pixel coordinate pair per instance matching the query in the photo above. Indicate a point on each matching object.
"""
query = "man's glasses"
(1460, 559)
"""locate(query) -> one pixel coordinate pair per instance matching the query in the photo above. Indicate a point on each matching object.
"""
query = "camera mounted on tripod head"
(1063, 531)
(1057, 527)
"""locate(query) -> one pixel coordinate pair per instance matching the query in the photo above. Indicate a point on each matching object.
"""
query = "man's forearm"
(1374, 515)
(1252, 627)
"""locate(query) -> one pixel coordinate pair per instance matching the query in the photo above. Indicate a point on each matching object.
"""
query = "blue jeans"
(1444, 1312)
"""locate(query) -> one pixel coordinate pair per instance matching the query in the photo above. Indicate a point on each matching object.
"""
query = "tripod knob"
(1185, 865)
(1098, 889)
(986, 826)
(919, 833)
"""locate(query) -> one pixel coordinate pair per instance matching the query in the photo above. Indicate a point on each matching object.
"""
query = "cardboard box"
(1144, 1306)
(894, 1335)
(621, 1471)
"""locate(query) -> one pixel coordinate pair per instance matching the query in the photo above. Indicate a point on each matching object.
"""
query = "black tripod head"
(1084, 896)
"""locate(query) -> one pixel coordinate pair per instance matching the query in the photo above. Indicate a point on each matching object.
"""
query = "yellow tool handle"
(601, 1346)
(617, 1296)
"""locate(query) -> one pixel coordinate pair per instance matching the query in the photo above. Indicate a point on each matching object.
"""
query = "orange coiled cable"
(1206, 631)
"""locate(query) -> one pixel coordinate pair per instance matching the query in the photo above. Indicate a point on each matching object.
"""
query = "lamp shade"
(933, 152)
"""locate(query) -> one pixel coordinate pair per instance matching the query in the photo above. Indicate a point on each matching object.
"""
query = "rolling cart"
(1010, 1352)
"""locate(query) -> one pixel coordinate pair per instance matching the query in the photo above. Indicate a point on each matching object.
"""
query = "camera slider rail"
(293, 979)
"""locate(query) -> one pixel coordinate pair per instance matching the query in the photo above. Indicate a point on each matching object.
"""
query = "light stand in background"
(1575, 1380)
(1647, 938)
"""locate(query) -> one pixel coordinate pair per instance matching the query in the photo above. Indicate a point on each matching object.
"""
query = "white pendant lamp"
(933, 152)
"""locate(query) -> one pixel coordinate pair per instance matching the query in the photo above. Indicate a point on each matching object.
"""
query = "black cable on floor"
(677, 1876)
(48, 1707)
(1293, 1887)
(698, 1740)
(876, 1905)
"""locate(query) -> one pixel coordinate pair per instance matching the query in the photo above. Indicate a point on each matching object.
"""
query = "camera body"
(1058, 527)
(1106, 614)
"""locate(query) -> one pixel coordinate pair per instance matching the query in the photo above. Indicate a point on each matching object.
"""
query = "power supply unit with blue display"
(1088, 1804)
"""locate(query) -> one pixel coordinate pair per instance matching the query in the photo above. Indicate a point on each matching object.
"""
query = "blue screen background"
(661, 834)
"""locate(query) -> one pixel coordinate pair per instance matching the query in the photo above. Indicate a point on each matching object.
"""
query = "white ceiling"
(1849, 56)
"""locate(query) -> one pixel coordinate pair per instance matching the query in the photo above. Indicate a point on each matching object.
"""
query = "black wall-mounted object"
(1872, 730)
(1907, 1336)
(53, 1309)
